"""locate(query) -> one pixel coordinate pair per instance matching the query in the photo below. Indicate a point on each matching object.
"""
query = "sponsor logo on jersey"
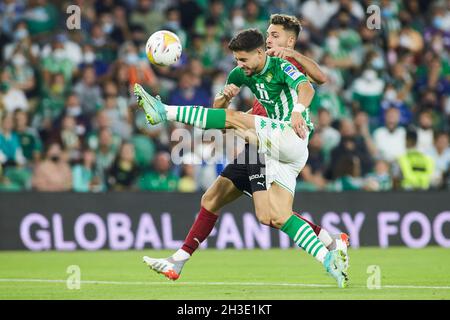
(256, 176)
(291, 71)
(269, 77)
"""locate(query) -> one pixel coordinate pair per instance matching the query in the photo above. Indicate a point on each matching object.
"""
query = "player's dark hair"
(246, 40)
(289, 23)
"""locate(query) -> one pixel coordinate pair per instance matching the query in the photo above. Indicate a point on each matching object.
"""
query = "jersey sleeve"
(236, 77)
(291, 75)
(296, 64)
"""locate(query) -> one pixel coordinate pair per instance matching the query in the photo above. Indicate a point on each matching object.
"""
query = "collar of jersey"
(266, 65)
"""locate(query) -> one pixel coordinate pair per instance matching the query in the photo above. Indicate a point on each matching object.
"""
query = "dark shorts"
(248, 178)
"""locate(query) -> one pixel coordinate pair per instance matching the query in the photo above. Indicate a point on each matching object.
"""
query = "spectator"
(313, 172)
(161, 178)
(21, 42)
(187, 181)
(115, 25)
(21, 73)
(381, 177)
(73, 109)
(41, 17)
(425, 132)
(10, 150)
(392, 99)
(416, 168)
(69, 139)
(124, 170)
(440, 153)
(57, 61)
(327, 96)
(53, 173)
(353, 145)
(361, 121)
(254, 17)
(89, 92)
(85, 176)
(54, 95)
(407, 38)
(106, 152)
(91, 58)
(390, 140)
(216, 13)
(188, 92)
(101, 122)
(348, 175)
(330, 137)
(10, 97)
(70, 49)
(30, 141)
(138, 70)
(105, 48)
(189, 10)
(310, 8)
(119, 118)
(173, 23)
(367, 93)
(146, 16)
(11, 12)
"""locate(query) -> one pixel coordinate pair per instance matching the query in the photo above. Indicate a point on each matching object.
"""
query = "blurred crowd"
(68, 116)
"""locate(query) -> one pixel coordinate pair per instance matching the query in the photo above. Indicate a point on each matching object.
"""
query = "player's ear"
(260, 51)
(291, 41)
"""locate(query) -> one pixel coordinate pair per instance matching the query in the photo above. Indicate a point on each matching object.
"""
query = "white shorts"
(285, 152)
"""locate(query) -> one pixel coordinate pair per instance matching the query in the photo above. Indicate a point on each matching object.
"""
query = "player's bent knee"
(264, 219)
(262, 215)
(278, 220)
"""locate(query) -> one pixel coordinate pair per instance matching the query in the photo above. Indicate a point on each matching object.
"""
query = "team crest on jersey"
(269, 77)
(291, 71)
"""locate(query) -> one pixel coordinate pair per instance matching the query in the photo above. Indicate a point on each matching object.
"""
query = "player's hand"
(280, 52)
(230, 91)
(299, 125)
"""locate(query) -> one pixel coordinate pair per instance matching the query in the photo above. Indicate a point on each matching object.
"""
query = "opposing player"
(283, 139)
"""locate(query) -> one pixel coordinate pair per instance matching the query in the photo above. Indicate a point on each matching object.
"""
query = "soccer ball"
(163, 48)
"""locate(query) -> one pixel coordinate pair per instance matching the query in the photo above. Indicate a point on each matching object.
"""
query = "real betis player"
(285, 93)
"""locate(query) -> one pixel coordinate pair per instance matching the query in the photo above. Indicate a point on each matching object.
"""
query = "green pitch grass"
(226, 274)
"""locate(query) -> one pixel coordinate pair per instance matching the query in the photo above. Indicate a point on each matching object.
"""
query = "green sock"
(197, 116)
(303, 235)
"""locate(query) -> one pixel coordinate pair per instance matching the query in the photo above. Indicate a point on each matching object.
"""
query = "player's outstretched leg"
(197, 116)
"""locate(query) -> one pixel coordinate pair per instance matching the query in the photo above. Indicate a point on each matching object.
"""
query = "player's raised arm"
(231, 89)
(310, 67)
(223, 98)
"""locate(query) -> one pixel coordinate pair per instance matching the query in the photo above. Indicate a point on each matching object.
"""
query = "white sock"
(171, 112)
(320, 256)
(326, 239)
(181, 255)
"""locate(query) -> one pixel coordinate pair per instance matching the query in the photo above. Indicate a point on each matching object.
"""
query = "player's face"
(250, 62)
(278, 37)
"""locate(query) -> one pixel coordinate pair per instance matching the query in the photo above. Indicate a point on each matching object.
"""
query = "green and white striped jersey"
(275, 87)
